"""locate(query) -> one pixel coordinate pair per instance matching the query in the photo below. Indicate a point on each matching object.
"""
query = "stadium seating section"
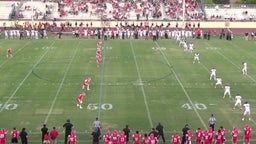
(122, 10)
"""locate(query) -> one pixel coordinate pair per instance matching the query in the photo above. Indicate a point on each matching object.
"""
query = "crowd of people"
(124, 136)
(119, 10)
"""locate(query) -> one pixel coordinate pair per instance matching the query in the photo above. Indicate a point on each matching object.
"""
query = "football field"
(139, 83)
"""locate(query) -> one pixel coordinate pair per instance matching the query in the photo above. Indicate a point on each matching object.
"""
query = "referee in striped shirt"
(212, 121)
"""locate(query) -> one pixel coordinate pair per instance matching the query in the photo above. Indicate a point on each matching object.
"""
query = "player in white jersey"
(196, 58)
(226, 91)
(213, 74)
(247, 111)
(244, 68)
(238, 103)
(6, 34)
(191, 47)
(218, 82)
(185, 46)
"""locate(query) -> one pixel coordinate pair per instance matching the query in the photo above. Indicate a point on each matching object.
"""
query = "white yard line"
(61, 84)
(182, 87)
(25, 78)
(142, 87)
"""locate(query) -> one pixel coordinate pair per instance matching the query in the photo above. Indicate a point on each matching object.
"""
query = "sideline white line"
(21, 83)
(61, 84)
(142, 87)
(182, 87)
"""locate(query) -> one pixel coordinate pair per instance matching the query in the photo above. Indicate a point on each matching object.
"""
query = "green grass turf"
(140, 83)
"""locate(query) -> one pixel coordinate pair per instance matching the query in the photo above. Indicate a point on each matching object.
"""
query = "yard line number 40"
(198, 106)
(8, 106)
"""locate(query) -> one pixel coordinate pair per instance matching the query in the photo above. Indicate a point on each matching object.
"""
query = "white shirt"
(196, 55)
(218, 80)
(247, 107)
(213, 71)
(238, 98)
(227, 88)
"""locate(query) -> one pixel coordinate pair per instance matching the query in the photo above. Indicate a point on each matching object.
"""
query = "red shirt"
(175, 139)
(189, 138)
(87, 81)
(152, 140)
(145, 140)
(54, 134)
(199, 134)
(46, 137)
(80, 97)
(72, 139)
(136, 138)
(219, 138)
(234, 135)
(14, 134)
(115, 138)
(122, 139)
(106, 139)
(2, 137)
(206, 137)
(9, 50)
(247, 132)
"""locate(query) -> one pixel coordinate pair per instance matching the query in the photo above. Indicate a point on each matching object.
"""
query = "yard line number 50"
(95, 106)
(199, 106)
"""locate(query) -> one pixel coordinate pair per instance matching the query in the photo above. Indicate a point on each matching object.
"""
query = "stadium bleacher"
(115, 10)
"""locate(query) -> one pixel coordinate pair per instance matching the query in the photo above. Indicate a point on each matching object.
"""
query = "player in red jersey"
(99, 43)
(107, 138)
(98, 60)
(9, 52)
(152, 139)
(218, 137)
(14, 136)
(145, 139)
(206, 137)
(199, 134)
(234, 134)
(3, 136)
(98, 53)
(46, 138)
(79, 99)
(86, 83)
(115, 137)
(175, 139)
(189, 136)
(136, 137)
(72, 138)
(222, 131)
(122, 138)
(247, 134)
(211, 134)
